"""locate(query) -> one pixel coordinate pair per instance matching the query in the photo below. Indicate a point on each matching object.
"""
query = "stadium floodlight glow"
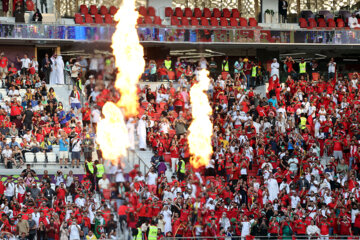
(292, 54)
(350, 60)
(321, 55)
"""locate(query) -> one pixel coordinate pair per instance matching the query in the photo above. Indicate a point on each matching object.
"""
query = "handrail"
(134, 158)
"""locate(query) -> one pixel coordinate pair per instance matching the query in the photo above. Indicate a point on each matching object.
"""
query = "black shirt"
(28, 115)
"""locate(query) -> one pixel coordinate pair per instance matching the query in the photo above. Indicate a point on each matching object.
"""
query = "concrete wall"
(11, 51)
(160, 6)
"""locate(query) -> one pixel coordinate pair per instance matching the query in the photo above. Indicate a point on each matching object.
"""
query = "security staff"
(99, 172)
(180, 169)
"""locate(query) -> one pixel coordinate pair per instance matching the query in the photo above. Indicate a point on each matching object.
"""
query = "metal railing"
(134, 158)
(174, 34)
(302, 237)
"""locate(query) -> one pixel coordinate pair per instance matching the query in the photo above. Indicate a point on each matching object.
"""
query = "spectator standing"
(64, 150)
(283, 6)
(331, 69)
(74, 99)
(46, 67)
(4, 62)
(75, 151)
(25, 64)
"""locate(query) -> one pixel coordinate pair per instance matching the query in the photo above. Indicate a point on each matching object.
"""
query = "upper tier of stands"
(324, 19)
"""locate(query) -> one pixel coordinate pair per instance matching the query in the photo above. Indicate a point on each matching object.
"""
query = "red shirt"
(3, 62)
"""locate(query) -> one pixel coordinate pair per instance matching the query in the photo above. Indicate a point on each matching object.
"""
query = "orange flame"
(129, 60)
(129, 57)
(201, 128)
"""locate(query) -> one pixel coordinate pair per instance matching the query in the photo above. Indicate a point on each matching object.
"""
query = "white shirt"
(80, 202)
(151, 179)
(331, 68)
(74, 232)
(245, 230)
(9, 191)
(353, 22)
(12, 93)
(7, 153)
(75, 71)
(76, 145)
(95, 115)
(104, 184)
(275, 69)
(25, 62)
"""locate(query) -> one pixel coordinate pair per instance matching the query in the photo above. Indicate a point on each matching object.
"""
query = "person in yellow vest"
(180, 169)
(153, 231)
(225, 65)
(302, 122)
(253, 74)
(99, 171)
(302, 67)
(168, 63)
(89, 169)
(137, 233)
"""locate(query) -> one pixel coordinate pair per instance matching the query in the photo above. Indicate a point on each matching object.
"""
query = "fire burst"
(129, 60)
(201, 128)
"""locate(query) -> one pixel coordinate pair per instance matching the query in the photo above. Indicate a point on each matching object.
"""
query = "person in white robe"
(273, 188)
(59, 70)
(166, 212)
(141, 131)
(53, 72)
(275, 68)
(131, 131)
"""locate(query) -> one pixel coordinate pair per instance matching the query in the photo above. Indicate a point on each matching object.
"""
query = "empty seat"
(321, 22)
(78, 19)
(184, 21)
(312, 23)
(51, 156)
(224, 22)
(88, 19)
(197, 12)
(148, 20)
(113, 10)
(206, 13)
(234, 22)
(303, 23)
(331, 23)
(98, 19)
(188, 12)
(235, 13)
(252, 22)
(168, 12)
(142, 11)
(157, 20)
(103, 10)
(174, 21)
(93, 10)
(178, 12)
(151, 11)
(214, 22)
(243, 22)
(83, 9)
(226, 13)
(194, 21)
(204, 21)
(40, 157)
(29, 157)
(340, 23)
(216, 13)
(140, 20)
(108, 19)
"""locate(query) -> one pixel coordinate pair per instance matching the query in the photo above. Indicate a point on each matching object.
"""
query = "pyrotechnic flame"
(129, 57)
(201, 128)
(112, 132)
(129, 60)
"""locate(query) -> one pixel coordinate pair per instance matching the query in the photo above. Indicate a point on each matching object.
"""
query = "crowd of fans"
(285, 165)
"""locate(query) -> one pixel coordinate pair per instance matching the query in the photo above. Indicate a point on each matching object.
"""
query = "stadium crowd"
(283, 165)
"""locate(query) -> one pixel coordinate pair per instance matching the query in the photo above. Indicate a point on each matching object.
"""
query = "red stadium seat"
(78, 18)
(235, 13)
(234, 22)
(98, 19)
(224, 22)
(168, 12)
(174, 21)
(103, 10)
(197, 12)
(178, 12)
(148, 20)
(226, 13)
(216, 13)
(83, 9)
(157, 20)
(184, 21)
(243, 22)
(206, 13)
(252, 22)
(140, 20)
(331, 23)
(108, 19)
(194, 21)
(214, 22)
(151, 11)
(93, 10)
(142, 11)
(204, 21)
(321, 22)
(312, 23)
(113, 10)
(340, 23)
(304, 24)
(188, 12)
(88, 19)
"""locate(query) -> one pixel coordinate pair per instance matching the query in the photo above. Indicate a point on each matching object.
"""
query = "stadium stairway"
(62, 94)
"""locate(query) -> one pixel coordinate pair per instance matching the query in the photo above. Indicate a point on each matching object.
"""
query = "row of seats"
(206, 12)
(40, 157)
(322, 23)
(93, 10)
(223, 22)
(97, 18)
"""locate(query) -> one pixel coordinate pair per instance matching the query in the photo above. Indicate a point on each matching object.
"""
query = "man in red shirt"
(3, 64)
(86, 114)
